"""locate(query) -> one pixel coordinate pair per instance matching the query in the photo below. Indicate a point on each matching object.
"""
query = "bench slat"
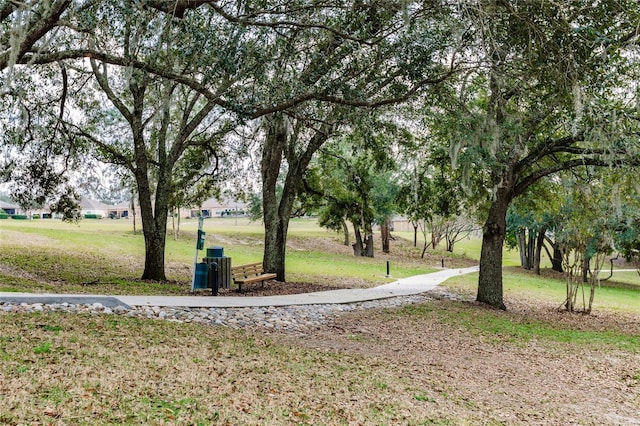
(250, 273)
(257, 278)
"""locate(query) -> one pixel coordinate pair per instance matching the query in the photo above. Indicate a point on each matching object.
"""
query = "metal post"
(388, 274)
(195, 260)
(213, 278)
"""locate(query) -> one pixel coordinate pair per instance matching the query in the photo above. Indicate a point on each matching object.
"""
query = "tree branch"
(106, 88)
(530, 179)
(248, 112)
(41, 22)
(118, 157)
(550, 147)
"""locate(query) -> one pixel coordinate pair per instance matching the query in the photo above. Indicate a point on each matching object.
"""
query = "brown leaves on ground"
(421, 364)
(499, 378)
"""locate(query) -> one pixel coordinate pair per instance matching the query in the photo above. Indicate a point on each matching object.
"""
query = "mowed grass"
(113, 370)
(500, 326)
(88, 369)
(84, 370)
(106, 257)
(110, 370)
(524, 284)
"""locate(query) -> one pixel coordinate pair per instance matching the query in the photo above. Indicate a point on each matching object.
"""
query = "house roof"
(89, 204)
(125, 204)
(7, 205)
(214, 203)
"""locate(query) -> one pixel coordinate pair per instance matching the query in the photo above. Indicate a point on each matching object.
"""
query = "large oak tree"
(547, 96)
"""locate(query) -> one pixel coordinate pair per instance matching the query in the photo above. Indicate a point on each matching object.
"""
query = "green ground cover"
(497, 326)
(105, 256)
(429, 364)
(518, 283)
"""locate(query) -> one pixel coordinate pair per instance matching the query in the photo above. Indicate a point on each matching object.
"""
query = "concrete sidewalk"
(403, 287)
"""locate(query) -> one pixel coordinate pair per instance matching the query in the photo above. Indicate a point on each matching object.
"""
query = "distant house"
(122, 210)
(94, 208)
(213, 207)
(401, 224)
(11, 208)
(210, 208)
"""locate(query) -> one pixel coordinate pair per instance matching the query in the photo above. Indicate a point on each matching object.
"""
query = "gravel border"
(296, 318)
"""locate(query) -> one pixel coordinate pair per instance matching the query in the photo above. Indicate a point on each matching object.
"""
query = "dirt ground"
(494, 380)
(486, 378)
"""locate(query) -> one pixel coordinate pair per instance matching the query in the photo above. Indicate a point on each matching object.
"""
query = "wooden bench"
(250, 273)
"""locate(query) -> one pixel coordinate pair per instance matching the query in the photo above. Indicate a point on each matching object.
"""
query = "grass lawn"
(106, 257)
(436, 363)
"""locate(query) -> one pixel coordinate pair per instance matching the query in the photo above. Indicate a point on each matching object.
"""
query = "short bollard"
(388, 273)
(213, 278)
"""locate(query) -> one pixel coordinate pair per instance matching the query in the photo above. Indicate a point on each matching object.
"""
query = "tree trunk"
(368, 247)
(556, 260)
(274, 238)
(357, 245)
(174, 225)
(275, 246)
(154, 229)
(539, 243)
(531, 247)
(434, 238)
(277, 211)
(494, 231)
(345, 230)
(154, 243)
(133, 213)
(451, 236)
(450, 245)
(522, 247)
(585, 268)
(424, 249)
(384, 231)
(556, 257)
(363, 246)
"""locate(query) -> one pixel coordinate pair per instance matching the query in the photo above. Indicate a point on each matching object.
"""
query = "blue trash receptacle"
(202, 276)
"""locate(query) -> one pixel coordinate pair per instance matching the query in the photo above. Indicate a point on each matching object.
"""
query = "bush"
(19, 216)
(92, 216)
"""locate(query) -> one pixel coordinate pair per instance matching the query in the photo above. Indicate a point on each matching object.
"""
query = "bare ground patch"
(497, 379)
(414, 365)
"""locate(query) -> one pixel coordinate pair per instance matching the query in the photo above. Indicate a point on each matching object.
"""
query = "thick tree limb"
(550, 147)
(175, 8)
(249, 112)
(530, 179)
(40, 23)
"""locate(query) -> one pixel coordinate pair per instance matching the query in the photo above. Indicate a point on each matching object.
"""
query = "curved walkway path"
(402, 287)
